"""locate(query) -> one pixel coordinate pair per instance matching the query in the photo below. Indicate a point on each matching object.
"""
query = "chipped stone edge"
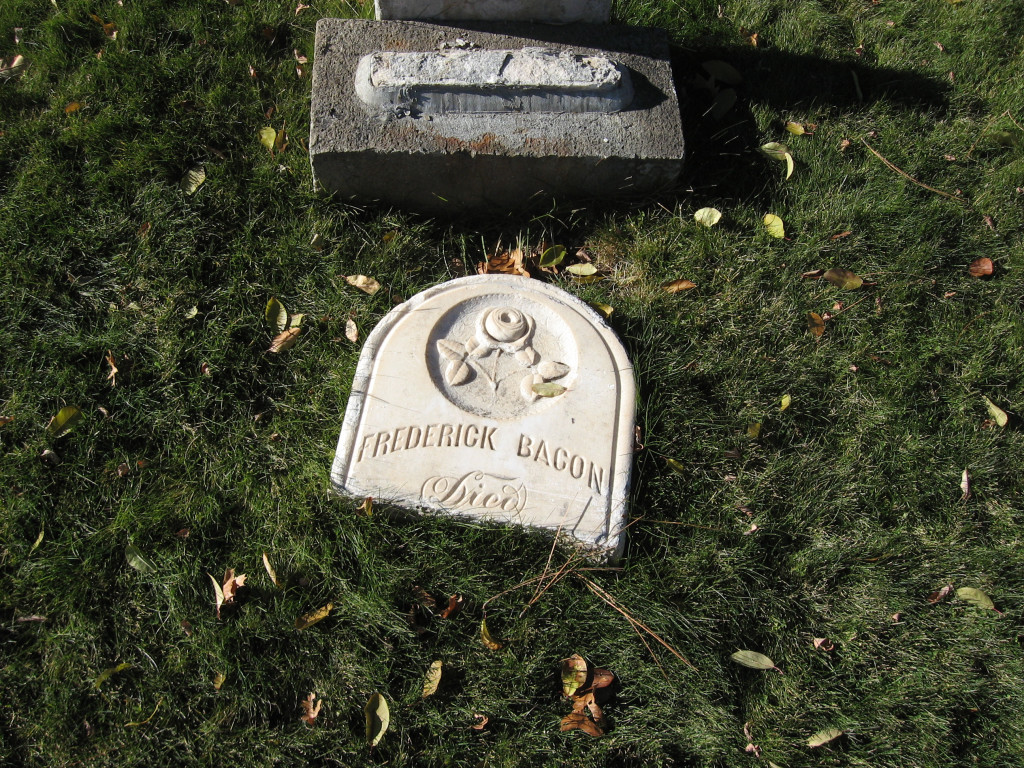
(622, 480)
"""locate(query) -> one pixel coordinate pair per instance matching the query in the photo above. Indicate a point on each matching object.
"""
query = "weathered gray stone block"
(550, 11)
(394, 150)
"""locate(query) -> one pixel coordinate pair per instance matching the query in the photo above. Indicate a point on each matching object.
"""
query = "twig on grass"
(635, 623)
(907, 176)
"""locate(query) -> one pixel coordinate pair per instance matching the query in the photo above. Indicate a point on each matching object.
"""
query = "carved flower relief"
(499, 330)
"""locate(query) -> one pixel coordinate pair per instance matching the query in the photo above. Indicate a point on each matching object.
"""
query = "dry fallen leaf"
(481, 721)
(579, 721)
(112, 376)
(311, 618)
(219, 680)
(965, 486)
(676, 286)
(982, 267)
(267, 137)
(815, 324)
(754, 660)
(940, 594)
(824, 737)
(73, 106)
(997, 413)
(5, 420)
(823, 644)
(776, 228)
(785, 402)
(844, 278)
(708, 216)
(351, 331)
(455, 603)
(363, 283)
(270, 571)
(506, 263)
(310, 711)
(377, 719)
(193, 180)
(485, 637)
(574, 674)
(366, 508)
(432, 679)
(285, 340)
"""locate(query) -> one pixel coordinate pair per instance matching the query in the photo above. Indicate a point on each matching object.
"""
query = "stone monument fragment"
(499, 398)
(445, 119)
(550, 11)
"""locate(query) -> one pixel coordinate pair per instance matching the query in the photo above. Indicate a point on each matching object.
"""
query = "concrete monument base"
(501, 143)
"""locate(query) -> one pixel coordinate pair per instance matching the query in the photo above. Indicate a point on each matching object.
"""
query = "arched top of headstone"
(499, 398)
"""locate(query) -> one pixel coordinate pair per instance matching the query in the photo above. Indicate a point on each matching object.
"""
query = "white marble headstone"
(445, 412)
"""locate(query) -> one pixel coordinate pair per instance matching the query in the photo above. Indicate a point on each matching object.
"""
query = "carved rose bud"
(504, 328)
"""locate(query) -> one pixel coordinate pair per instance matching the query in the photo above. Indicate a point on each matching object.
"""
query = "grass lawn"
(837, 520)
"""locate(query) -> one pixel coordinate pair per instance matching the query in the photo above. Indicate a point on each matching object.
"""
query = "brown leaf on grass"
(982, 267)
(310, 711)
(123, 469)
(144, 230)
(579, 721)
(109, 28)
(73, 106)
(112, 376)
(485, 637)
(298, 56)
(351, 331)
(841, 235)
(965, 486)
(284, 340)
(676, 286)
(5, 420)
(311, 618)
(455, 603)
(424, 598)
(823, 644)
(504, 263)
(270, 571)
(186, 627)
(813, 274)
(940, 594)
(363, 283)
(35, 617)
(281, 141)
(815, 324)
(481, 721)
(300, 70)
(300, 8)
(989, 222)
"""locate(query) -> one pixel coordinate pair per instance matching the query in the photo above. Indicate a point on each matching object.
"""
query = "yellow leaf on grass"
(975, 597)
(774, 225)
(73, 106)
(363, 283)
(219, 680)
(193, 180)
(276, 315)
(754, 430)
(844, 278)
(377, 719)
(267, 137)
(604, 309)
(824, 737)
(574, 674)
(784, 404)
(65, 419)
(795, 128)
(432, 679)
(485, 637)
(815, 324)
(753, 660)
(311, 618)
(284, 340)
(676, 466)
(708, 216)
(1001, 417)
(108, 673)
(781, 153)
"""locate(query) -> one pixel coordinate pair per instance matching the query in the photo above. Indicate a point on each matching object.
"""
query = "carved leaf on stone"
(475, 347)
(550, 369)
(458, 372)
(452, 350)
(526, 386)
(527, 356)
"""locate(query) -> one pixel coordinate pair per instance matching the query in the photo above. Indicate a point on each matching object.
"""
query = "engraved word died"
(499, 398)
